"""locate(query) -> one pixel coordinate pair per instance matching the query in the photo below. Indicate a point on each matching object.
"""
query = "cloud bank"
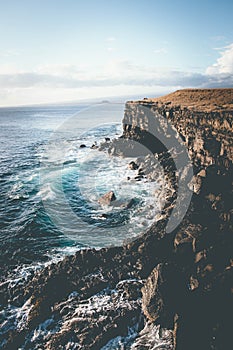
(67, 82)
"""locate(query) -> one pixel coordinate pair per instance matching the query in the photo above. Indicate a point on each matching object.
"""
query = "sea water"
(50, 186)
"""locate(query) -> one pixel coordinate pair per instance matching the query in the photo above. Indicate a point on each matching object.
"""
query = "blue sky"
(64, 50)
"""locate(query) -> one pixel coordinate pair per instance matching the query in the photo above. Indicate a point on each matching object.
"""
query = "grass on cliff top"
(198, 99)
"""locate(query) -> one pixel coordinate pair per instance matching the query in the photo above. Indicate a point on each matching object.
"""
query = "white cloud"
(224, 64)
(66, 83)
(9, 69)
(51, 83)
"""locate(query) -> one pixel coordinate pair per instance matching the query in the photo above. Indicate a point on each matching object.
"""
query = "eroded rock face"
(165, 290)
(152, 303)
(203, 243)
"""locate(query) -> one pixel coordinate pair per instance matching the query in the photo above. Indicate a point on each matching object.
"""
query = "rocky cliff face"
(165, 291)
(206, 134)
(198, 298)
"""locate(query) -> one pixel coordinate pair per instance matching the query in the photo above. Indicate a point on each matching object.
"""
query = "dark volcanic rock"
(163, 294)
(202, 259)
(133, 166)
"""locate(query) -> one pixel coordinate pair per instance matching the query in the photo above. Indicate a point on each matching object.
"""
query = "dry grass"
(198, 99)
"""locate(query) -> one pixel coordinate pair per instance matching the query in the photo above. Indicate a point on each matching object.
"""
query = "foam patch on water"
(18, 191)
(71, 198)
(23, 272)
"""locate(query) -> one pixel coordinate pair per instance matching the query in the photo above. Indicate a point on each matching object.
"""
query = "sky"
(68, 50)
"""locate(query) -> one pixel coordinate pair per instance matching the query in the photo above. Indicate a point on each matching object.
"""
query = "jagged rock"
(133, 166)
(152, 302)
(131, 203)
(164, 294)
(202, 173)
(107, 198)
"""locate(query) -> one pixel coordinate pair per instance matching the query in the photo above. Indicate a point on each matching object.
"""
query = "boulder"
(133, 166)
(152, 302)
(164, 294)
(107, 198)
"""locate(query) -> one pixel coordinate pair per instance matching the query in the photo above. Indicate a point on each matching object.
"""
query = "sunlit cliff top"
(198, 99)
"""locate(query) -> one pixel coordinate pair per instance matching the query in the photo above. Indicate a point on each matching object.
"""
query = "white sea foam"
(18, 191)
(46, 192)
(23, 272)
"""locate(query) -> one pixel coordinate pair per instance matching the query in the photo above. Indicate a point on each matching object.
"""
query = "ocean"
(50, 186)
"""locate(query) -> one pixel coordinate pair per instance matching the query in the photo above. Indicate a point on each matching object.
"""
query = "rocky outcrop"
(163, 290)
(107, 198)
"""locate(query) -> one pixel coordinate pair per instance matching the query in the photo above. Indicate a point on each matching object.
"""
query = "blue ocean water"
(49, 186)
(25, 231)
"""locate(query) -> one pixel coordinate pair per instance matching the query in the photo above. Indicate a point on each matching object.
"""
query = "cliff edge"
(198, 99)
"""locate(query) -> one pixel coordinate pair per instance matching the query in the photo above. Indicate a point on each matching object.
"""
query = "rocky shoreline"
(163, 291)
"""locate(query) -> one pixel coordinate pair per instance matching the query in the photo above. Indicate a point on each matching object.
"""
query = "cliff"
(203, 100)
(203, 241)
(180, 281)
(203, 118)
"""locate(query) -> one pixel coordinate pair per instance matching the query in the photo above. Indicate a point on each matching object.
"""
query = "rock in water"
(133, 166)
(107, 198)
